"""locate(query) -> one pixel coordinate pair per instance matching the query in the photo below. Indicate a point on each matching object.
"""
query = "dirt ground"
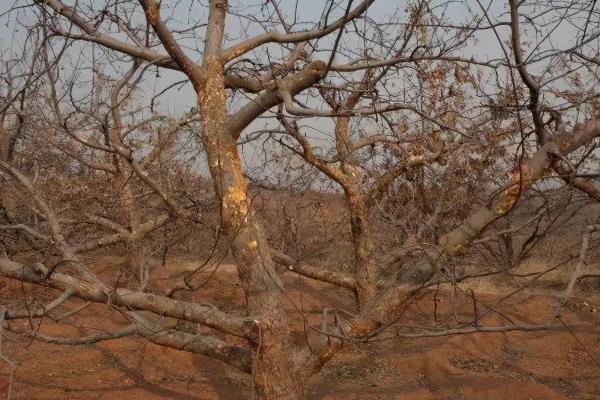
(554, 364)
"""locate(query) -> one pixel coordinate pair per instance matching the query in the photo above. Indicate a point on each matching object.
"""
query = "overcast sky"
(484, 46)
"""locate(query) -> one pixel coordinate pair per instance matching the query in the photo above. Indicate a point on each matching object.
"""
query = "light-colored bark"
(92, 291)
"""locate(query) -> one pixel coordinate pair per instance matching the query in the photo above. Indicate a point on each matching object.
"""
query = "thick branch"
(316, 273)
(204, 314)
(235, 356)
(587, 186)
(193, 71)
(276, 37)
(92, 34)
(306, 78)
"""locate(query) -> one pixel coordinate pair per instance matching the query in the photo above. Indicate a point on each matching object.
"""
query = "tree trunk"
(366, 268)
(274, 373)
(134, 258)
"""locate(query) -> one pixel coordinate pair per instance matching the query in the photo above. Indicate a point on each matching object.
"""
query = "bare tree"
(400, 111)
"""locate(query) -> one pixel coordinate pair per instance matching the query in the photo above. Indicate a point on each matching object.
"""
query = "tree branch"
(294, 84)
(204, 314)
(276, 37)
(316, 273)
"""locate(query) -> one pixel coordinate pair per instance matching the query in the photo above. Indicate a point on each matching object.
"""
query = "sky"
(308, 13)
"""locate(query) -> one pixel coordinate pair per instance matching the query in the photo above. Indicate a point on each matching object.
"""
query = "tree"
(407, 116)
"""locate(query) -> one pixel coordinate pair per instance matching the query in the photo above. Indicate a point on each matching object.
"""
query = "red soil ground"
(554, 364)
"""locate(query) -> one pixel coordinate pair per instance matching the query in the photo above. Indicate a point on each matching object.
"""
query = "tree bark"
(273, 372)
(362, 239)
